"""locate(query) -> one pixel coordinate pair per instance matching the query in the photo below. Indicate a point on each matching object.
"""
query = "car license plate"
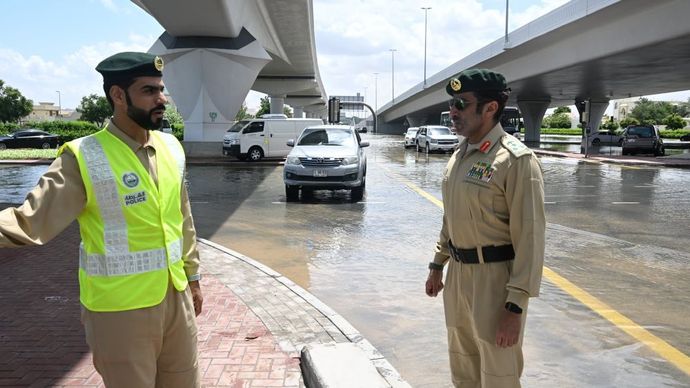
(320, 173)
(631, 140)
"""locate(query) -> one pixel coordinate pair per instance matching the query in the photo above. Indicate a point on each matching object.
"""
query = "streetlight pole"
(426, 9)
(392, 74)
(376, 92)
(59, 104)
(506, 43)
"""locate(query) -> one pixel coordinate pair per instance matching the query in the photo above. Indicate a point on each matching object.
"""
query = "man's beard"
(142, 117)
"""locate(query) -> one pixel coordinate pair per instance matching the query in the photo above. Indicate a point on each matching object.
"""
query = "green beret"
(128, 65)
(475, 80)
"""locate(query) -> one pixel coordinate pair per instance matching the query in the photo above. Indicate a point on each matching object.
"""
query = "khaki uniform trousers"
(146, 348)
(474, 297)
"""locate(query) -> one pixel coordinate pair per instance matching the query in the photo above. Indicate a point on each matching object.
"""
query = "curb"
(671, 162)
(384, 368)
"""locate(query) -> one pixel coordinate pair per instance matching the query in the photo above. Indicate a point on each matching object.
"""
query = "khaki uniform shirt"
(60, 197)
(493, 194)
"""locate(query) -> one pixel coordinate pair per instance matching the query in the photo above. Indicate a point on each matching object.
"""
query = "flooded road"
(615, 231)
(618, 233)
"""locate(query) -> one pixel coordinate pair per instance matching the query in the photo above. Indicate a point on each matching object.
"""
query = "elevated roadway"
(215, 51)
(595, 50)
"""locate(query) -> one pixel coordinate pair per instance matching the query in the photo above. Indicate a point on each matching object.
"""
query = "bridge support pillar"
(533, 113)
(297, 112)
(205, 94)
(415, 121)
(277, 104)
(596, 112)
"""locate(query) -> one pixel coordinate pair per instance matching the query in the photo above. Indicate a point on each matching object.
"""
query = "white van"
(263, 138)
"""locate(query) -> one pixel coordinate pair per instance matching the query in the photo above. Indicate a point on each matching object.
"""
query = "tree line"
(645, 112)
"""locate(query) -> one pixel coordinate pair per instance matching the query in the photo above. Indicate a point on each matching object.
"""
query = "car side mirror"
(290, 143)
(364, 144)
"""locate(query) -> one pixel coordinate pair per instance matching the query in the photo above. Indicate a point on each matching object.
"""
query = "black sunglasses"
(459, 103)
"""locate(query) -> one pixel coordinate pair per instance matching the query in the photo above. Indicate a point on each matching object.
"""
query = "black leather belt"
(492, 254)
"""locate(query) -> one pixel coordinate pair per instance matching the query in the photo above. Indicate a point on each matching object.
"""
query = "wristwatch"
(434, 266)
(513, 308)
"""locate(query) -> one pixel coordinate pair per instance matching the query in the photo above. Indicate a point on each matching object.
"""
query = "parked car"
(29, 138)
(642, 139)
(410, 136)
(329, 157)
(685, 138)
(435, 138)
(255, 139)
(605, 137)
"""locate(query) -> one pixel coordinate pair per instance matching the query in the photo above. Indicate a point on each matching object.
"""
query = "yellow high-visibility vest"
(131, 231)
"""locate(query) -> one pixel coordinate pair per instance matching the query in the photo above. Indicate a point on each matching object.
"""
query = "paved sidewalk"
(253, 326)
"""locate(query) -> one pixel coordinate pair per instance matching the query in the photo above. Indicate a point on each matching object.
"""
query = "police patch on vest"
(130, 179)
(135, 198)
(482, 171)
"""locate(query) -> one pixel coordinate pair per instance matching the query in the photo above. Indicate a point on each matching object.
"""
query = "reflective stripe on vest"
(118, 260)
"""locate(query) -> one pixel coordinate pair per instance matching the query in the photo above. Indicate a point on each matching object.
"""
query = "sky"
(49, 48)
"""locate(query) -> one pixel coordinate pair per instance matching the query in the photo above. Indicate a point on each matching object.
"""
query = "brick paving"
(254, 323)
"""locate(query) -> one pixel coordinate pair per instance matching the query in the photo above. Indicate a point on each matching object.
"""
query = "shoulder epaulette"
(515, 146)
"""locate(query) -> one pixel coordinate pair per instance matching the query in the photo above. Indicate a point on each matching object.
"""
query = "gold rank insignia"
(455, 84)
(158, 63)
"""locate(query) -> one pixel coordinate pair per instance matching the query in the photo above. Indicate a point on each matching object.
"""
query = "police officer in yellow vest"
(492, 237)
(138, 261)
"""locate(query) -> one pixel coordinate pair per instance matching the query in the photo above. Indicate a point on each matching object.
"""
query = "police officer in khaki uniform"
(492, 238)
(145, 336)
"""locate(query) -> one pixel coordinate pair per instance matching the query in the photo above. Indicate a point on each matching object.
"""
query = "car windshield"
(412, 131)
(238, 125)
(641, 131)
(438, 131)
(327, 136)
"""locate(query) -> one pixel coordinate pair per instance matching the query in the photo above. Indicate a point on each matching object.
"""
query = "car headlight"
(350, 160)
(292, 160)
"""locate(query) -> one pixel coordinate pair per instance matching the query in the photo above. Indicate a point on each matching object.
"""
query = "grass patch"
(27, 153)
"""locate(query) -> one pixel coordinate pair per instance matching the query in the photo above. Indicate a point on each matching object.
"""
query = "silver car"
(410, 136)
(329, 157)
(436, 138)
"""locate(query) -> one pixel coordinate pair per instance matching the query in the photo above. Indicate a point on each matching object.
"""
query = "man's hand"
(508, 332)
(197, 298)
(434, 283)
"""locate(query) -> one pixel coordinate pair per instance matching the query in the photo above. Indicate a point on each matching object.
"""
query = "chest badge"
(482, 171)
(130, 180)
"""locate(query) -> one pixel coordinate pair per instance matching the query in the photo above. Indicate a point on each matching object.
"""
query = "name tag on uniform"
(135, 198)
(481, 171)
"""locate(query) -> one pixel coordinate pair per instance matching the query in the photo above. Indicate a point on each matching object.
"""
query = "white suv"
(435, 138)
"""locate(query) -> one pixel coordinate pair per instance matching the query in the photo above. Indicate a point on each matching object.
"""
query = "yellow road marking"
(661, 347)
(658, 345)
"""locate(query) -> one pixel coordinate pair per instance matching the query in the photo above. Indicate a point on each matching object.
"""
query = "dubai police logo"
(130, 180)
(158, 63)
(455, 84)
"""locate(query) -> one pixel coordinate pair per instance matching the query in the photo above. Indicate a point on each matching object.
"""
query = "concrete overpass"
(215, 51)
(595, 50)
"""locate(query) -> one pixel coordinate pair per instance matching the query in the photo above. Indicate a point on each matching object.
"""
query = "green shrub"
(673, 134)
(629, 121)
(610, 125)
(67, 130)
(674, 121)
(559, 120)
(178, 131)
(6, 128)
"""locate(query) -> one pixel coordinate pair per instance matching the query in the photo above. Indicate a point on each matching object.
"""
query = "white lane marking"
(550, 203)
(625, 203)
(198, 202)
